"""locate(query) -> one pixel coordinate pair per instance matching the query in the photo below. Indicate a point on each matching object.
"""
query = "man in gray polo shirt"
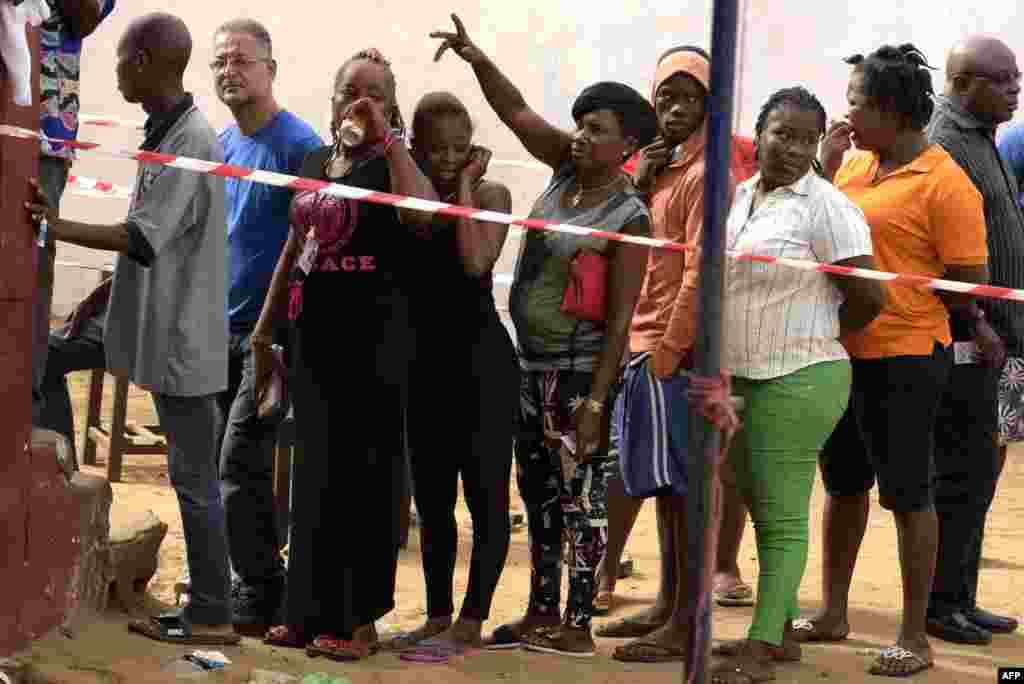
(166, 326)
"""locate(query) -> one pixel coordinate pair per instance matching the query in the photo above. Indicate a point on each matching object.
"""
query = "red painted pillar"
(18, 161)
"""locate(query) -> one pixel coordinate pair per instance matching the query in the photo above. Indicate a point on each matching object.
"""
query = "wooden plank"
(141, 435)
(115, 451)
(93, 416)
(99, 437)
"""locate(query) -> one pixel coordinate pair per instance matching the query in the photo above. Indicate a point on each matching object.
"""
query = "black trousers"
(247, 473)
(966, 453)
(461, 420)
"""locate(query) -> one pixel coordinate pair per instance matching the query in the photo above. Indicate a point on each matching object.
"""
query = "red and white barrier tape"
(416, 204)
(90, 187)
(114, 122)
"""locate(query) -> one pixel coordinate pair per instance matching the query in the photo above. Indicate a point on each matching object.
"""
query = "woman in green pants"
(781, 329)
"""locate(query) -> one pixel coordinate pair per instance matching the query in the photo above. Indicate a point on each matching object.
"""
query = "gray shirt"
(971, 143)
(549, 339)
(167, 322)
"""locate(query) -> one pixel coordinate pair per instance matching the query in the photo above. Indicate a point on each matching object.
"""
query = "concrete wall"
(550, 49)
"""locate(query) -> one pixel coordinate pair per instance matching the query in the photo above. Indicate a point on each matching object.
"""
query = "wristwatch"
(593, 405)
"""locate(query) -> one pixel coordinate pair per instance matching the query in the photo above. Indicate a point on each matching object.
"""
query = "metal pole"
(704, 439)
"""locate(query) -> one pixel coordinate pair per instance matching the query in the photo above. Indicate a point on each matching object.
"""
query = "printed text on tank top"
(330, 223)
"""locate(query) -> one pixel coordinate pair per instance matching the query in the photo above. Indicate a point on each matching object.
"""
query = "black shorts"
(888, 431)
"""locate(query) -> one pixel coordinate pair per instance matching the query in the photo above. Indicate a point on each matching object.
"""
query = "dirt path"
(107, 652)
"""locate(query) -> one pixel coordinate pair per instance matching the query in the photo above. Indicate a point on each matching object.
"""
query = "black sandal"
(173, 628)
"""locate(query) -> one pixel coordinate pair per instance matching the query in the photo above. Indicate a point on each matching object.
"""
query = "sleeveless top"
(446, 299)
(549, 339)
(354, 295)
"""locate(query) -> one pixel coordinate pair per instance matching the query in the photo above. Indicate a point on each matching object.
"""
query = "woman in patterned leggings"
(568, 363)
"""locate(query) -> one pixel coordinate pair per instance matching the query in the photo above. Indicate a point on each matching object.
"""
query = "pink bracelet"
(389, 140)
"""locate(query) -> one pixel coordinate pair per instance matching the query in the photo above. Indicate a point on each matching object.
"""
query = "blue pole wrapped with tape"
(705, 439)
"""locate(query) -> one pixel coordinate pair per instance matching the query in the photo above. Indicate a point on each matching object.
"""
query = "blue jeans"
(247, 473)
(192, 426)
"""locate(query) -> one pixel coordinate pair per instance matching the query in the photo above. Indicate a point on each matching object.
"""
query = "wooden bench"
(124, 437)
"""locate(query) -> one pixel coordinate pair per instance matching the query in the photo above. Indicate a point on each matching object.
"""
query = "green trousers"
(786, 421)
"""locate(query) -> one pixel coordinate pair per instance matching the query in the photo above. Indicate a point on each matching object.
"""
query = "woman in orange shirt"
(926, 219)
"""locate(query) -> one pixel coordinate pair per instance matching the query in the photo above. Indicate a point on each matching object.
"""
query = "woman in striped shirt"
(781, 330)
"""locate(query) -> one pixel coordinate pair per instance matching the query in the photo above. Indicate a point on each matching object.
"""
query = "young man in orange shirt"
(729, 588)
(670, 172)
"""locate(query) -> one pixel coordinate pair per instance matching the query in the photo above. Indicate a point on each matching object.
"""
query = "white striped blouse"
(780, 319)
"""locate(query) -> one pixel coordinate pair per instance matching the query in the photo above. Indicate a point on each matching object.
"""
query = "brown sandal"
(342, 650)
(788, 652)
(284, 636)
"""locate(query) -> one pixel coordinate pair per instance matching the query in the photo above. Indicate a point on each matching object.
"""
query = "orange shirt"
(923, 216)
(742, 162)
(665, 319)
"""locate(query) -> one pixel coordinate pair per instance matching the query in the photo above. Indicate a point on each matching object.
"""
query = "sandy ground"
(106, 652)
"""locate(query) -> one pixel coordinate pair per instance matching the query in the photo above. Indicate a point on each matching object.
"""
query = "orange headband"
(686, 62)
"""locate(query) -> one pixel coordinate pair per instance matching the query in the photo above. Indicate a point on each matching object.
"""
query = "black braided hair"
(373, 55)
(798, 97)
(897, 79)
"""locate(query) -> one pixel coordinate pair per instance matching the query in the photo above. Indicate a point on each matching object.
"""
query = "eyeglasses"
(240, 62)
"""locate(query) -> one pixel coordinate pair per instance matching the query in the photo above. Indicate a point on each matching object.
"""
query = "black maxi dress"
(352, 348)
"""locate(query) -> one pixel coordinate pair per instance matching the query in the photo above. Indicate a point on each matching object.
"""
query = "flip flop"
(283, 636)
(342, 650)
(896, 661)
(805, 631)
(787, 653)
(173, 628)
(435, 652)
(737, 596)
(626, 628)
(400, 642)
(641, 651)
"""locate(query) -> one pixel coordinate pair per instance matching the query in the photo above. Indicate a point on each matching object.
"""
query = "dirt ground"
(106, 652)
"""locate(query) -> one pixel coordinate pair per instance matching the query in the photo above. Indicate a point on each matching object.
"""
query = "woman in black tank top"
(340, 279)
(463, 382)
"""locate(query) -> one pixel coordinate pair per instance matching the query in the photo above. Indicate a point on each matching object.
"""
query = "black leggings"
(461, 416)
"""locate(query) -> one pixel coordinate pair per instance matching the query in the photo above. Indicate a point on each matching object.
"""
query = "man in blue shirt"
(268, 138)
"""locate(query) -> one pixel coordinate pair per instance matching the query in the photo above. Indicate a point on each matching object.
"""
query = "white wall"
(550, 49)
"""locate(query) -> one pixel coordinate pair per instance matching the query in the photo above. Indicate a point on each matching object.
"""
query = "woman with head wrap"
(693, 64)
(568, 362)
(650, 429)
